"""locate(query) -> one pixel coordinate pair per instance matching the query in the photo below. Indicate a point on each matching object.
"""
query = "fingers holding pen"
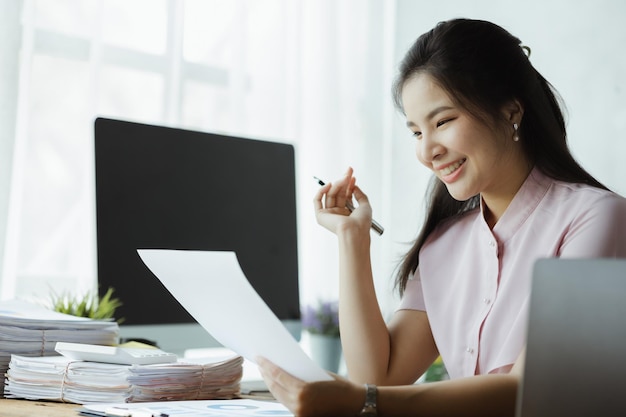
(340, 192)
(318, 203)
(330, 203)
(344, 188)
(333, 205)
(362, 199)
(327, 203)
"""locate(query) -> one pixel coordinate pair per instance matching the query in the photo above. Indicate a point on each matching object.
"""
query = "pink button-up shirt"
(474, 282)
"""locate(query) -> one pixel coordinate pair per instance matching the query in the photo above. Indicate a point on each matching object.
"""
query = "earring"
(515, 136)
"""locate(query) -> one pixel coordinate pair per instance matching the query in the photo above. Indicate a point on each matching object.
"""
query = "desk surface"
(25, 408)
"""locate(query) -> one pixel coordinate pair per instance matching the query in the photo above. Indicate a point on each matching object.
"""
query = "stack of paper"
(57, 378)
(30, 330)
(186, 381)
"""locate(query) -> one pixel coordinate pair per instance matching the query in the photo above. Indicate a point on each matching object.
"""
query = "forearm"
(364, 334)
(484, 395)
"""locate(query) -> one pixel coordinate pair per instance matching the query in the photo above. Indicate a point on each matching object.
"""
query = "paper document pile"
(58, 378)
(186, 381)
(30, 330)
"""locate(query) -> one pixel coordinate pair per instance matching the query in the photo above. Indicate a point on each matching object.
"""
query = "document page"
(212, 287)
(207, 408)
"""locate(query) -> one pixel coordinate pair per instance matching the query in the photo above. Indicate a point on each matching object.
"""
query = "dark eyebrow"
(432, 114)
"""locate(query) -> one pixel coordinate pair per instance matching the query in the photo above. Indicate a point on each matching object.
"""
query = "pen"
(375, 225)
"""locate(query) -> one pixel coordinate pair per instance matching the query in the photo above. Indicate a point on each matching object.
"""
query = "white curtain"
(312, 73)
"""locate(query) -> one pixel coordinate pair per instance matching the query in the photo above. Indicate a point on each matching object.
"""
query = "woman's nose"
(429, 149)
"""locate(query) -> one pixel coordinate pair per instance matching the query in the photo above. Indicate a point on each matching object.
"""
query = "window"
(295, 71)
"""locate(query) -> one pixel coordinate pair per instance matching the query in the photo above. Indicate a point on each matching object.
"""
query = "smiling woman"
(506, 192)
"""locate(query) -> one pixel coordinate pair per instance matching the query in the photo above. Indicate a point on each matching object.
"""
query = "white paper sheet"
(204, 408)
(212, 287)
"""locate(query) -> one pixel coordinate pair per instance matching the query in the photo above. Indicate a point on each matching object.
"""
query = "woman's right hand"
(330, 207)
(335, 398)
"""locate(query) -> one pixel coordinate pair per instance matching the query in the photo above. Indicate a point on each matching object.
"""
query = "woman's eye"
(443, 122)
(417, 134)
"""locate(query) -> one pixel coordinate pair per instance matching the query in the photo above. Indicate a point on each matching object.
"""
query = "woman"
(506, 192)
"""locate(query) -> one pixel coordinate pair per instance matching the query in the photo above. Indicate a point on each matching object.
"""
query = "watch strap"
(369, 408)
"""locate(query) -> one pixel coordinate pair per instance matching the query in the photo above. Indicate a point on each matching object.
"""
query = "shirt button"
(469, 350)
(492, 243)
(486, 301)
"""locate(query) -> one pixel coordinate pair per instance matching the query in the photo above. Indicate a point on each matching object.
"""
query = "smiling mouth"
(451, 168)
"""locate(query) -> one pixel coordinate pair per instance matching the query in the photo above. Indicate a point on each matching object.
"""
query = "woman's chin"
(460, 195)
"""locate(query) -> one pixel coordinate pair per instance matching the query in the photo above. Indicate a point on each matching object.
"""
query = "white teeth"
(451, 168)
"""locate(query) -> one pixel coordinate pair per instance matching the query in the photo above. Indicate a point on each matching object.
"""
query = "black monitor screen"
(166, 188)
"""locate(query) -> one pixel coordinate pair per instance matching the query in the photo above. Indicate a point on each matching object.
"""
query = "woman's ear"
(513, 111)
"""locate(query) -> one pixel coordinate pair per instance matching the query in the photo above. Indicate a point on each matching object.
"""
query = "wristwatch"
(369, 408)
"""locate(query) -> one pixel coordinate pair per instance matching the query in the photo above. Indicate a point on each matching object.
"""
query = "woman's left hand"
(337, 398)
(333, 205)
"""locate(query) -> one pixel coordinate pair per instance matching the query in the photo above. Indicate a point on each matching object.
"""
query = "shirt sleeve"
(599, 233)
(413, 298)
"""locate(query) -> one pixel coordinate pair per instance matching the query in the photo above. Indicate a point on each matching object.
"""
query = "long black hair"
(483, 67)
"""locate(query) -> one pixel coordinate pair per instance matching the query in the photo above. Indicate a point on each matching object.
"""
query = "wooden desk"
(25, 408)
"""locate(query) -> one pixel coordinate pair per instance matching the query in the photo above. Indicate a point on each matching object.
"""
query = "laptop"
(576, 348)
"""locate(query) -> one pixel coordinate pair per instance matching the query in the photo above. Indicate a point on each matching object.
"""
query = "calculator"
(114, 354)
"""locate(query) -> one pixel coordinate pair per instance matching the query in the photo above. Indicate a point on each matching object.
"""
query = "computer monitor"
(165, 188)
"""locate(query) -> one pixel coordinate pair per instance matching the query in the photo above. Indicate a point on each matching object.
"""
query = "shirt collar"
(521, 207)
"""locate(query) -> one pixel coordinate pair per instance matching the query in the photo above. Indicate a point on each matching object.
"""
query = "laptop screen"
(576, 348)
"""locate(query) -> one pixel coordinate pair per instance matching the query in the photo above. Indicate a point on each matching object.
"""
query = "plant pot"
(325, 351)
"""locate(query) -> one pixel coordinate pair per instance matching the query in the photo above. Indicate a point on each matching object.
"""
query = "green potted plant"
(89, 305)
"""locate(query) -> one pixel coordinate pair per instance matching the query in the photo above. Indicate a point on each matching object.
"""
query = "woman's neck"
(496, 202)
